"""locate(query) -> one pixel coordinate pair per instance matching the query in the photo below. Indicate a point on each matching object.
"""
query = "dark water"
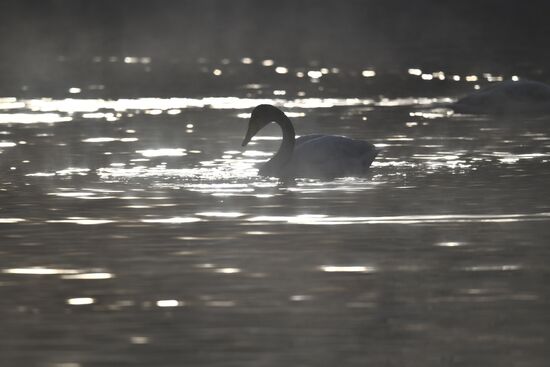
(135, 232)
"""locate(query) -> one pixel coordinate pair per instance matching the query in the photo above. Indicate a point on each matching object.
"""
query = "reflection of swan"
(520, 97)
(314, 156)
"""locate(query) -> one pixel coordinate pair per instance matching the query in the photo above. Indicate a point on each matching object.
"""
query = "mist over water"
(136, 232)
(49, 44)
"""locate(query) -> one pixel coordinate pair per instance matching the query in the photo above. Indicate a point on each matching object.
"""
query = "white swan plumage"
(507, 98)
(310, 156)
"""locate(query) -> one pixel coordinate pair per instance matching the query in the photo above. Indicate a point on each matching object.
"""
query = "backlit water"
(135, 232)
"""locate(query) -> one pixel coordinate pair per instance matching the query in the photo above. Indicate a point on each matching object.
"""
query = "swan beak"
(249, 134)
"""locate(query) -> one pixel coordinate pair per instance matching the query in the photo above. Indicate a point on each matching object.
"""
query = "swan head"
(261, 116)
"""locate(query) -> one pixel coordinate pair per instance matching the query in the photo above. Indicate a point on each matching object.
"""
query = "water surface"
(135, 231)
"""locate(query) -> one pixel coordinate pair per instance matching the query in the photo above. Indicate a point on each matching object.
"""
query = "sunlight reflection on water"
(317, 219)
(48, 110)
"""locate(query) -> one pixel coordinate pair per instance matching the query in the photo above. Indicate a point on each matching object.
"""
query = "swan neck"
(284, 153)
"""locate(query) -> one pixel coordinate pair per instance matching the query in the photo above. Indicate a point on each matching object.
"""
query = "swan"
(309, 156)
(507, 98)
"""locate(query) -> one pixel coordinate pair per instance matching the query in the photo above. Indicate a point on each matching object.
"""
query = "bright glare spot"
(155, 111)
(7, 144)
(99, 140)
(416, 72)
(98, 115)
(411, 124)
(431, 114)
(189, 126)
(80, 301)
(258, 233)
(300, 74)
(256, 153)
(300, 297)
(281, 70)
(73, 171)
(139, 340)
(221, 214)
(268, 63)
(217, 72)
(493, 78)
(163, 152)
(471, 78)
(81, 221)
(493, 268)
(168, 303)
(314, 74)
(174, 220)
(8, 103)
(135, 60)
(449, 244)
(368, 73)
(439, 75)
(279, 92)
(515, 78)
(174, 111)
(228, 270)
(347, 269)
(89, 276)
(128, 140)
(427, 76)
(456, 78)
(39, 271)
(246, 60)
(32, 118)
(477, 87)
(74, 90)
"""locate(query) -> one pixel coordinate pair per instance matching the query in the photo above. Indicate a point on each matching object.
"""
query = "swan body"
(507, 98)
(310, 156)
